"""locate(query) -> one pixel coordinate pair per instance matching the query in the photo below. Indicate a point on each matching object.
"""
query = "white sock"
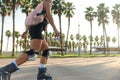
(42, 66)
(15, 64)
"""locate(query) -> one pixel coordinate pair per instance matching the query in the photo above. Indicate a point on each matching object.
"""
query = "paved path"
(104, 68)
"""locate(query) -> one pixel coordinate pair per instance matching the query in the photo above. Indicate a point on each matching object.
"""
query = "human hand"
(57, 33)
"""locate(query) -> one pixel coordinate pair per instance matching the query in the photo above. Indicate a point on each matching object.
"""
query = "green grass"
(8, 56)
(70, 55)
(84, 55)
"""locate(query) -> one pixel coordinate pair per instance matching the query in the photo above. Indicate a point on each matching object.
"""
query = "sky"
(78, 19)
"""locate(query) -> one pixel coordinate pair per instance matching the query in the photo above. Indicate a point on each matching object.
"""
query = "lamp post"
(79, 39)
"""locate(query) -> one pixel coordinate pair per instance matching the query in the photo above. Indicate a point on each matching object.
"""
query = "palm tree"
(116, 19)
(96, 39)
(20, 44)
(69, 45)
(90, 14)
(4, 10)
(12, 4)
(58, 8)
(69, 14)
(85, 43)
(103, 19)
(8, 34)
(72, 43)
(114, 39)
(78, 38)
(27, 5)
(101, 40)
(34, 3)
(17, 35)
(108, 41)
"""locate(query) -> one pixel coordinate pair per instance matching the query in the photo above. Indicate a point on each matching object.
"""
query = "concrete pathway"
(104, 68)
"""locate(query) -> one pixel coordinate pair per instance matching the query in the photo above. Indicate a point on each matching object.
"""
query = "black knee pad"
(32, 54)
(46, 53)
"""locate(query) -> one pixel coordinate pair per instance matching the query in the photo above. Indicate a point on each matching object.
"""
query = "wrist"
(54, 28)
(26, 30)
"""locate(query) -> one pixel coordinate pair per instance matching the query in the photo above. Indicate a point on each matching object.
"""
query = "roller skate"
(42, 75)
(5, 72)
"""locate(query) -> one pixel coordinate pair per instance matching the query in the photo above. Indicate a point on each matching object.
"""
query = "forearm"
(51, 21)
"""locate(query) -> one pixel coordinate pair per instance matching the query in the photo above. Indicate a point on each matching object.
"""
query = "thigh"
(36, 44)
(44, 45)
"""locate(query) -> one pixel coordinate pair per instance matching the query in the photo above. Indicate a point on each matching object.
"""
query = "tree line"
(60, 7)
(73, 43)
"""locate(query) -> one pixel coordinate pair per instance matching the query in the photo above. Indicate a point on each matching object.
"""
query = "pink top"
(32, 18)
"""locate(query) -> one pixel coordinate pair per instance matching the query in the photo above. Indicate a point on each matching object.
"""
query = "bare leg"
(22, 59)
(44, 46)
(6, 71)
(43, 60)
(35, 44)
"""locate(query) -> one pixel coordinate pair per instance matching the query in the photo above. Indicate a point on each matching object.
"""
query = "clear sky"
(78, 18)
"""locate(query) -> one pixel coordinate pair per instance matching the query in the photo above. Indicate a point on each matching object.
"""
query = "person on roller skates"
(37, 43)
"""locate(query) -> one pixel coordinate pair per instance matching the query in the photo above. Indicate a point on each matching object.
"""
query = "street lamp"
(79, 39)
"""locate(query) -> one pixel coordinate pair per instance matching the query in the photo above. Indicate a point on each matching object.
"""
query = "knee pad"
(32, 54)
(46, 53)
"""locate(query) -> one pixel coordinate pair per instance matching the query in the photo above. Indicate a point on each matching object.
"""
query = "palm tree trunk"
(13, 49)
(67, 34)
(105, 39)
(2, 35)
(91, 38)
(104, 43)
(118, 40)
(61, 35)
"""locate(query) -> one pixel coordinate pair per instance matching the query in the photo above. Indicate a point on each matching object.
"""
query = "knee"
(46, 53)
(32, 54)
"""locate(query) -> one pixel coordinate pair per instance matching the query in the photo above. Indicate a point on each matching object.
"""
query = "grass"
(8, 56)
(84, 55)
(70, 55)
